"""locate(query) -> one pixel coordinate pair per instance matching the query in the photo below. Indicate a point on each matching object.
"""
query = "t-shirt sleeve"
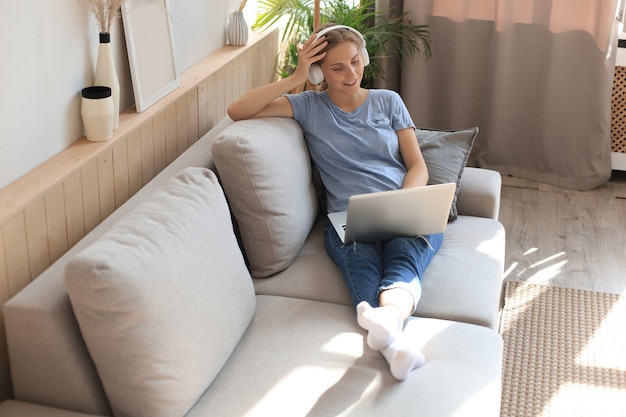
(400, 117)
(301, 106)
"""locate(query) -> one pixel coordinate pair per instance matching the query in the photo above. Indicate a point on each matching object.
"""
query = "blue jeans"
(369, 268)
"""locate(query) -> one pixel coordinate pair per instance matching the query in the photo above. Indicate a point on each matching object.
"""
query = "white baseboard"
(618, 161)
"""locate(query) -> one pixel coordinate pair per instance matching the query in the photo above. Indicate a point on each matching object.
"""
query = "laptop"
(387, 214)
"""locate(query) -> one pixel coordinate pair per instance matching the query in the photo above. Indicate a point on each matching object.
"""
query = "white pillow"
(163, 297)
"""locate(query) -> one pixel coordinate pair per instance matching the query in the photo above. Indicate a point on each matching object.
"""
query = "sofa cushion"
(446, 154)
(265, 169)
(163, 297)
(312, 275)
(462, 283)
(308, 358)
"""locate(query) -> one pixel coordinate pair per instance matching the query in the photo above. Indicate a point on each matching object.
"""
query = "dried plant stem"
(105, 11)
(242, 5)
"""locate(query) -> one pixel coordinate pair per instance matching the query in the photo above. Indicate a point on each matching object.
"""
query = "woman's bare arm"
(268, 100)
(417, 172)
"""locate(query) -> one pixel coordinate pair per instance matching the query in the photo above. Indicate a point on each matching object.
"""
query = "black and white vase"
(237, 29)
(106, 74)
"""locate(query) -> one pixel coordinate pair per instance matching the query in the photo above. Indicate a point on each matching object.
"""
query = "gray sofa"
(201, 297)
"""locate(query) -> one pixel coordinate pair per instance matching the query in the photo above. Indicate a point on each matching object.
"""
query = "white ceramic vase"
(237, 29)
(97, 111)
(106, 75)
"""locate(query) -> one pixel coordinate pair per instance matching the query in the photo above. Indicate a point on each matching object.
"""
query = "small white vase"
(237, 29)
(97, 111)
(106, 75)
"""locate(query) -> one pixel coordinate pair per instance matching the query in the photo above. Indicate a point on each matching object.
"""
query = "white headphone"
(316, 75)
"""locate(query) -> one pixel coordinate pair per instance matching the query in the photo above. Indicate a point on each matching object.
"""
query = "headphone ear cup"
(366, 56)
(316, 75)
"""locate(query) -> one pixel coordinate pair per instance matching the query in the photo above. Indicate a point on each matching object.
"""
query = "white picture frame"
(151, 55)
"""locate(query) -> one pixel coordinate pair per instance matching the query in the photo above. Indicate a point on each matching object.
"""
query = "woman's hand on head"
(268, 100)
(310, 54)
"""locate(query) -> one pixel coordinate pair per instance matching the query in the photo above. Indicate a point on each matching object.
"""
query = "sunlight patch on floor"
(540, 271)
(603, 351)
(598, 401)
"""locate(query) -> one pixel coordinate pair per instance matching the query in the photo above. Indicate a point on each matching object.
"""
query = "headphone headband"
(335, 27)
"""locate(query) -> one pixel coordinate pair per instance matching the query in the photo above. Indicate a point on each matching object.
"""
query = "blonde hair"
(338, 36)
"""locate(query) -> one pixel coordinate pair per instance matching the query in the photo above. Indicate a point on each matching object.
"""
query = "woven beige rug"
(564, 352)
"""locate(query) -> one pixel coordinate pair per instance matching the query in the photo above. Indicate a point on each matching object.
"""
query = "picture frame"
(151, 54)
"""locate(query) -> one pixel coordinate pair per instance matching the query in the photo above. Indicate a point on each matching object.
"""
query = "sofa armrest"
(479, 194)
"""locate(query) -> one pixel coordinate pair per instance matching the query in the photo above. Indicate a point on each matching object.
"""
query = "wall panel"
(182, 125)
(56, 222)
(91, 195)
(16, 250)
(135, 180)
(37, 237)
(219, 93)
(170, 133)
(106, 183)
(4, 277)
(74, 215)
(160, 155)
(147, 152)
(203, 107)
(212, 117)
(120, 171)
(193, 128)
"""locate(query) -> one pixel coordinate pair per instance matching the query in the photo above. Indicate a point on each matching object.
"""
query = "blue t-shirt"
(355, 152)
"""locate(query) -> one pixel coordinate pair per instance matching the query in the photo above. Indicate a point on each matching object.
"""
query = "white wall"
(47, 54)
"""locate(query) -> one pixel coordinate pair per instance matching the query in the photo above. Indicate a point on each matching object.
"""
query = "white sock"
(402, 358)
(383, 324)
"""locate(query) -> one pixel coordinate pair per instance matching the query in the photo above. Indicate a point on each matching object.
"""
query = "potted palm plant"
(386, 37)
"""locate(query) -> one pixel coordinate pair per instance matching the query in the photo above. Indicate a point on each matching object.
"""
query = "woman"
(361, 141)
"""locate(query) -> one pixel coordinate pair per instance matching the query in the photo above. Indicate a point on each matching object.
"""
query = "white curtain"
(534, 75)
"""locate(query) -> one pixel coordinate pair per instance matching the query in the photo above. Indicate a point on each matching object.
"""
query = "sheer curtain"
(534, 75)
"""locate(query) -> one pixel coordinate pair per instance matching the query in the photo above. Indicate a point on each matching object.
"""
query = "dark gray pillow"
(446, 153)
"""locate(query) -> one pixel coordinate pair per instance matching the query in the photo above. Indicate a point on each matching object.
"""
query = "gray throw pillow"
(163, 297)
(265, 169)
(446, 153)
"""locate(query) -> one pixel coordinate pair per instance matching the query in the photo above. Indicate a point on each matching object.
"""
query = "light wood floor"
(563, 237)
